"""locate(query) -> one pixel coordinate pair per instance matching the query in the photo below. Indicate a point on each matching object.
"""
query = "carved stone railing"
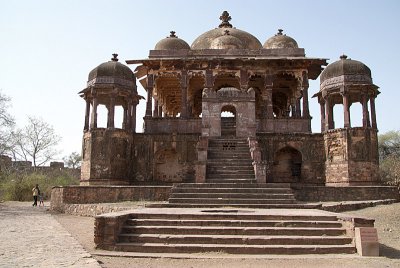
(284, 125)
(172, 125)
(260, 169)
(201, 165)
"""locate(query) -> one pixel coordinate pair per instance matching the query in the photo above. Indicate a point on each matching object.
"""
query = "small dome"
(226, 41)
(345, 66)
(171, 42)
(208, 39)
(280, 41)
(112, 69)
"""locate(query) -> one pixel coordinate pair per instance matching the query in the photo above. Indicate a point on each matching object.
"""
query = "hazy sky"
(49, 47)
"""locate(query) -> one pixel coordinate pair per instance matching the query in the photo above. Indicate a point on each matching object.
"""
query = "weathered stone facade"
(262, 89)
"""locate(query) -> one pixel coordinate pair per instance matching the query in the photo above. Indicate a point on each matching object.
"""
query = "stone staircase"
(231, 182)
(228, 126)
(234, 232)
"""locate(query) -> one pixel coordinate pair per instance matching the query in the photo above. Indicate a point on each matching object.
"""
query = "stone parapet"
(60, 196)
(348, 193)
(172, 125)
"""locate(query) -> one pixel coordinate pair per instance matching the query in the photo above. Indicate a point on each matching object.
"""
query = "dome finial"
(115, 57)
(172, 34)
(279, 32)
(225, 18)
(343, 57)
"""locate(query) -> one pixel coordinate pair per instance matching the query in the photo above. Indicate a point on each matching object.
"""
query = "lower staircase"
(234, 232)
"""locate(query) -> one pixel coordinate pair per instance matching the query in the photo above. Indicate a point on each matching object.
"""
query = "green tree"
(389, 156)
(389, 144)
(74, 160)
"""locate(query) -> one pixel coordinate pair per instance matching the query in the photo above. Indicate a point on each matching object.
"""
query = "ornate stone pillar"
(346, 110)
(133, 115)
(183, 82)
(244, 80)
(111, 113)
(373, 112)
(87, 115)
(155, 111)
(364, 100)
(293, 108)
(93, 119)
(322, 107)
(298, 108)
(125, 116)
(328, 114)
(159, 111)
(306, 111)
(267, 96)
(128, 124)
(149, 104)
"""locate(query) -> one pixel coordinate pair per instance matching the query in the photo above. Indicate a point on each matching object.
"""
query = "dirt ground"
(387, 223)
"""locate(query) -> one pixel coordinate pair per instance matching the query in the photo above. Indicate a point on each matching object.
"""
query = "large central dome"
(207, 39)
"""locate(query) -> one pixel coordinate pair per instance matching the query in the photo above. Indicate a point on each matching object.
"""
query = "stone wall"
(106, 157)
(6, 163)
(351, 156)
(61, 196)
(164, 158)
(310, 149)
(347, 193)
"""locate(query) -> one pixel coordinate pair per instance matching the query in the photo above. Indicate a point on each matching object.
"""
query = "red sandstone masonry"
(105, 194)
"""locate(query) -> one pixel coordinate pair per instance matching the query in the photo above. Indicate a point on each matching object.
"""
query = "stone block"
(366, 239)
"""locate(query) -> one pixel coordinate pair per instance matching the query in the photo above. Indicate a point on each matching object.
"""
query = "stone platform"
(228, 230)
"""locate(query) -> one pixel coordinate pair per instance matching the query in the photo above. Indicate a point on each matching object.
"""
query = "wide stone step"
(227, 140)
(228, 155)
(228, 201)
(240, 163)
(237, 150)
(231, 162)
(226, 179)
(230, 173)
(235, 249)
(234, 185)
(232, 190)
(230, 178)
(229, 230)
(232, 195)
(234, 239)
(233, 223)
(264, 206)
(233, 214)
(226, 166)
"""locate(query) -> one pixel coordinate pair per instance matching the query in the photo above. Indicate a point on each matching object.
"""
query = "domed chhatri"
(206, 40)
(346, 66)
(171, 42)
(112, 68)
(221, 94)
(280, 40)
